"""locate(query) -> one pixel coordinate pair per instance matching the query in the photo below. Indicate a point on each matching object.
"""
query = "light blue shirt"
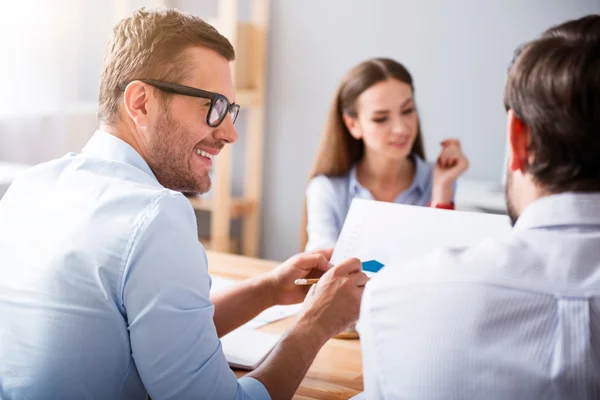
(517, 318)
(328, 201)
(104, 289)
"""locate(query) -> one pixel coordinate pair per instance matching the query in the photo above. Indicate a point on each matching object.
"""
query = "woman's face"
(386, 119)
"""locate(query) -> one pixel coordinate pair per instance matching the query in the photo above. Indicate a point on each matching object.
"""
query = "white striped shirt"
(512, 319)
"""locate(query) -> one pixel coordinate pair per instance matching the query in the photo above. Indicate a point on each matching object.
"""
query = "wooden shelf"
(247, 97)
(248, 72)
(240, 207)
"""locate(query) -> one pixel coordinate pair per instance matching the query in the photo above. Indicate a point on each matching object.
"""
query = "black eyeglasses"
(219, 104)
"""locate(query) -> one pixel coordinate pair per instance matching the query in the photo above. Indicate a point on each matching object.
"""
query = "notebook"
(246, 348)
(359, 396)
(269, 315)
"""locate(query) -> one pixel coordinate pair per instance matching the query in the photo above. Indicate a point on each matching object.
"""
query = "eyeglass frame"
(184, 90)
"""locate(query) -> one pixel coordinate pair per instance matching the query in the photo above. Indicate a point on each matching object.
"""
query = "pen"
(371, 266)
(302, 282)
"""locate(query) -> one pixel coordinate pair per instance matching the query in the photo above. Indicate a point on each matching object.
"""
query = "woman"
(372, 148)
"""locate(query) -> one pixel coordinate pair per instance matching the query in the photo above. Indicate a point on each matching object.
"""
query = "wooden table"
(336, 373)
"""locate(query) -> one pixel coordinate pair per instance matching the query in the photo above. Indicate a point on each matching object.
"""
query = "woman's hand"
(450, 164)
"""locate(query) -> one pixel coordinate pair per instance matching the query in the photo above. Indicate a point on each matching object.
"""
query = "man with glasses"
(104, 290)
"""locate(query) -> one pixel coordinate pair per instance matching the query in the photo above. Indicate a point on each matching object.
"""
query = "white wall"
(458, 52)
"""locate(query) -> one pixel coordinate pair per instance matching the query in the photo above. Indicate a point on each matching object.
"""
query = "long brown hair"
(339, 150)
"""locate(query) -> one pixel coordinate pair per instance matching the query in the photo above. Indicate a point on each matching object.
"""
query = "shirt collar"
(560, 210)
(110, 147)
(354, 185)
(421, 176)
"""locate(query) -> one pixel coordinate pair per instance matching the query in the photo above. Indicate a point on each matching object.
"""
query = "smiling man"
(104, 289)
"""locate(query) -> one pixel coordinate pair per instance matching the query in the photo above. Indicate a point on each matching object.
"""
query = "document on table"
(269, 315)
(245, 347)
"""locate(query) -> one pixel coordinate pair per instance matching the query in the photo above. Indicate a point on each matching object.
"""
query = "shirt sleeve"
(165, 294)
(322, 225)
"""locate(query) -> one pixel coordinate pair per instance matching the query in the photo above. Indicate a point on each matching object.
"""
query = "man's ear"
(518, 139)
(353, 126)
(135, 101)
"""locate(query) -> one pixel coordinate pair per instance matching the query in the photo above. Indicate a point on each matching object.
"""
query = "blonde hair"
(150, 45)
(339, 150)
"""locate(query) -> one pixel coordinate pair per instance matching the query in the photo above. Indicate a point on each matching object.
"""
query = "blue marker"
(372, 266)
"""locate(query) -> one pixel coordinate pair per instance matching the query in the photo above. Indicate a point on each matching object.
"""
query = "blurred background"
(458, 53)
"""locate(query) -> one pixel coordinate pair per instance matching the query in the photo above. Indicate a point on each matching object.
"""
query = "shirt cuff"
(254, 388)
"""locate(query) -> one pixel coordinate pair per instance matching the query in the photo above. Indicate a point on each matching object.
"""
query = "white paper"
(395, 234)
(219, 284)
(266, 317)
(359, 396)
(273, 314)
(246, 348)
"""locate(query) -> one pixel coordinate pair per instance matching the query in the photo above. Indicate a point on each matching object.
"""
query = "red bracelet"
(445, 206)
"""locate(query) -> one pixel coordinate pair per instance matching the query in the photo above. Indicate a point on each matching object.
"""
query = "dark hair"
(554, 88)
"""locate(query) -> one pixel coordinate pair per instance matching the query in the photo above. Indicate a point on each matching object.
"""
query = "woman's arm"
(450, 164)
(323, 204)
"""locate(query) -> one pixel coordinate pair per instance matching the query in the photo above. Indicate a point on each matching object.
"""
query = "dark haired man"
(517, 318)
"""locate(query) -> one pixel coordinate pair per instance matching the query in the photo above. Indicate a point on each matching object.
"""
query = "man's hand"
(264, 291)
(333, 304)
(304, 265)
